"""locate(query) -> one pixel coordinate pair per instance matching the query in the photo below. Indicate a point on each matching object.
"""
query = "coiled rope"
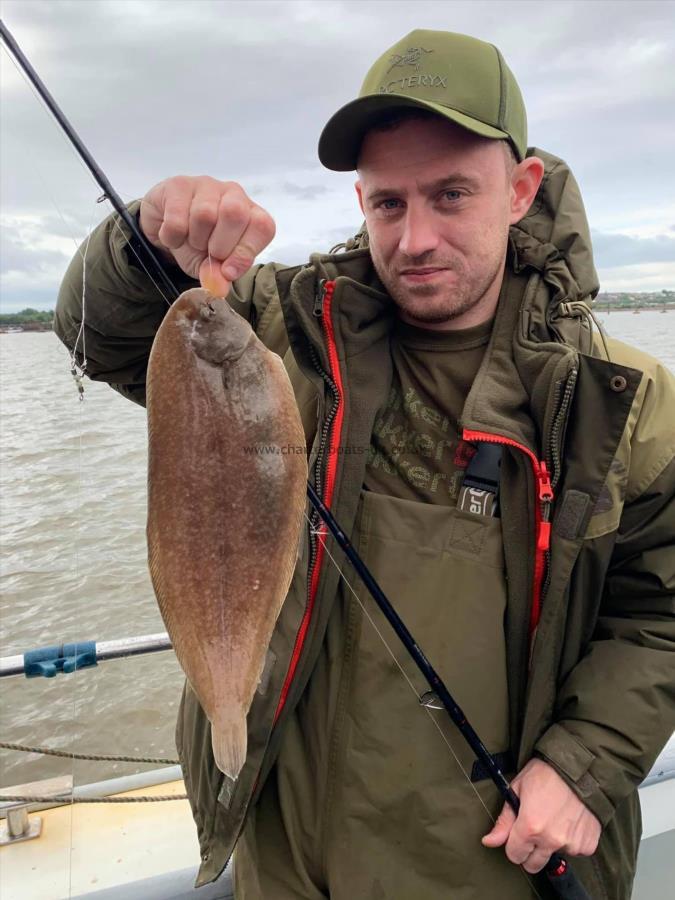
(4, 745)
(46, 751)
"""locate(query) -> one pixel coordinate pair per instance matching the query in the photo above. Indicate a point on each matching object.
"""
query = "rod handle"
(563, 880)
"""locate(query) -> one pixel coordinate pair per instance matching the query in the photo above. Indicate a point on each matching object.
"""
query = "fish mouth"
(207, 311)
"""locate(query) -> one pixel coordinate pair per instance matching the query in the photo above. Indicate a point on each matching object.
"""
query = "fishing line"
(116, 222)
(55, 126)
(78, 370)
(47, 189)
(78, 536)
(320, 533)
(36, 94)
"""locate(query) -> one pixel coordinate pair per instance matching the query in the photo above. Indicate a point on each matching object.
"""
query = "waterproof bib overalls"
(385, 811)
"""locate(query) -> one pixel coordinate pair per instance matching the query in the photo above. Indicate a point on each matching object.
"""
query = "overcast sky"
(241, 91)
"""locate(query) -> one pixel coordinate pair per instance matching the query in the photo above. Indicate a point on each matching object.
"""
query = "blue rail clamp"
(66, 658)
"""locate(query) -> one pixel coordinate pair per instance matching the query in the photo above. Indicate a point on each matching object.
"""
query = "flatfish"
(227, 479)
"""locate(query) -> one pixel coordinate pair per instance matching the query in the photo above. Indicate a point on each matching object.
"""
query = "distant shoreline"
(603, 308)
(32, 320)
(22, 327)
(33, 327)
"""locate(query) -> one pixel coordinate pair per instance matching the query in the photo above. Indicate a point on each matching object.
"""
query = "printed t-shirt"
(416, 451)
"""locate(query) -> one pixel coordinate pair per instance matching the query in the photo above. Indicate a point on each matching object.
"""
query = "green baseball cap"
(457, 76)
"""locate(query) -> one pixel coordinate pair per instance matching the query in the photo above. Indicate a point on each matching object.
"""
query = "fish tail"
(228, 739)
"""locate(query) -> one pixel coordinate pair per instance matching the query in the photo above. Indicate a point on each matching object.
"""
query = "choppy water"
(72, 517)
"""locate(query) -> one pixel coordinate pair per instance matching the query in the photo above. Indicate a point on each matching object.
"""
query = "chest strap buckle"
(479, 493)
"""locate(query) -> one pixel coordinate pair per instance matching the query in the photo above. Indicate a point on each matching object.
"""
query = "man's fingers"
(517, 848)
(551, 818)
(238, 258)
(203, 219)
(536, 861)
(530, 835)
(234, 213)
(501, 829)
(194, 218)
(176, 224)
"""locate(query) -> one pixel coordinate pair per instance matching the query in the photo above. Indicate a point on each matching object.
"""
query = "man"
(539, 580)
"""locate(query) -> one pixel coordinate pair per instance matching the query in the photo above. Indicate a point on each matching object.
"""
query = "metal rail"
(103, 650)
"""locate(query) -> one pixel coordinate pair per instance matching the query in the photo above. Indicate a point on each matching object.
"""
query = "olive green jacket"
(592, 689)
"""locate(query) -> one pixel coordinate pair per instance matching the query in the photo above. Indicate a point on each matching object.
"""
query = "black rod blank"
(99, 176)
(561, 877)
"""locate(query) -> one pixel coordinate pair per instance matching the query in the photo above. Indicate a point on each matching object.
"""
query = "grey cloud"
(612, 250)
(338, 235)
(305, 192)
(290, 254)
(240, 87)
(241, 90)
(18, 255)
(298, 252)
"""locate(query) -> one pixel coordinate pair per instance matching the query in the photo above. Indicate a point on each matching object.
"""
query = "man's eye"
(453, 195)
(389, 204)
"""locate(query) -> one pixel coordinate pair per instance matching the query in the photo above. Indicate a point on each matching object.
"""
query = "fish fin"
(229, 741)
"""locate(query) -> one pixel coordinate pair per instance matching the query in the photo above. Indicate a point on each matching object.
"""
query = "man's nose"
(419, 233)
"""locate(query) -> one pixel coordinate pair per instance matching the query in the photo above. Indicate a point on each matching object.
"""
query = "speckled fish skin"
(223, 521)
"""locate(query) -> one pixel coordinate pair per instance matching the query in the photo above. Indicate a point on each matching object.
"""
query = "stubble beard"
(431, 304)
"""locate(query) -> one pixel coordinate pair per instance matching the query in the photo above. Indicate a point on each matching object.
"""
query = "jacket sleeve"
(616, 709)
(124, 307)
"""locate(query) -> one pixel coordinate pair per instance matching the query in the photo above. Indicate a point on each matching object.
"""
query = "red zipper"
(542, 524)
(331, 470)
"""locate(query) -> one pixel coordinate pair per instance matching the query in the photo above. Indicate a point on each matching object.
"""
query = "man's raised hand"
(210, 228)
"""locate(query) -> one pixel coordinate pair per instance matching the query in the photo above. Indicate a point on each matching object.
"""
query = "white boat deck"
(113, 845)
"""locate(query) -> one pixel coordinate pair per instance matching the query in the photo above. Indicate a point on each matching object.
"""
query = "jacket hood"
(554, 236)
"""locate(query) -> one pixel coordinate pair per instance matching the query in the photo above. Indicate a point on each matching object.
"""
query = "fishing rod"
(109, 192)
(558, 872)
(560, 876)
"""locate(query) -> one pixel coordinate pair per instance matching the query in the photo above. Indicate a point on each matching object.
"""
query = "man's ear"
(525, 180)
(359, 194)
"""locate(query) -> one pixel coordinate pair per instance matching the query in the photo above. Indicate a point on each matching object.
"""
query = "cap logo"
(411, 81)
(411, 57)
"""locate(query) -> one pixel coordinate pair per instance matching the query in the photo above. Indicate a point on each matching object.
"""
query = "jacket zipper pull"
(319, 298)
(545, 489)
(546, 497)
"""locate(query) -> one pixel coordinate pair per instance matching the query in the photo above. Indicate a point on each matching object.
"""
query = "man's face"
(437, 203)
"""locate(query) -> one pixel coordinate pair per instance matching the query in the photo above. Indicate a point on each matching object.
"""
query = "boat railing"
(67, 658)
